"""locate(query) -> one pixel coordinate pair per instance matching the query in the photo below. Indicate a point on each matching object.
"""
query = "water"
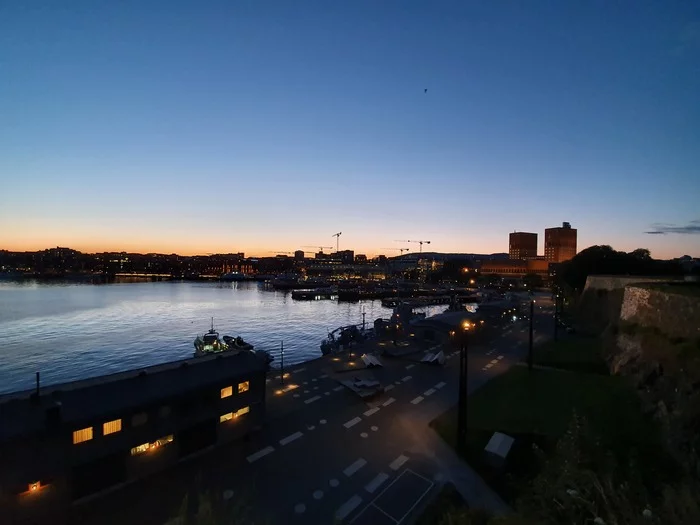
(72, 331)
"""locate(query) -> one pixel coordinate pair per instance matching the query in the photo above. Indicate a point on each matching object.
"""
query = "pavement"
(325, 456)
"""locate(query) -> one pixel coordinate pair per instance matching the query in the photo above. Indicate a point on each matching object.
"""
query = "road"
(326, 455)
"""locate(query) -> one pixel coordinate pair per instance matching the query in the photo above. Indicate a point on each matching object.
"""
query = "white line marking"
(388, 387)
(338, 388)
(371, 411)
(407, 378)
(318, 494)
(299, 508)
(260, 453)
(323, 421)
(314, 380)
(352, 422)
(440, 385)
(290, 438)
(410, 366)
(417, 400)
(489, 365)
(312, 399)
(334, 482)
(364, 435)
(324, 376)
(347, 507)
(388, 402)
(429, 392)
(327, 393)
(419, 499)
(494, 361)
(398, 462)
(376, 482)
(499, 357)
(299, 369)
(357, 465)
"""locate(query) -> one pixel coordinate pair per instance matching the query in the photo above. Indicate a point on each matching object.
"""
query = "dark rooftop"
(114, 393)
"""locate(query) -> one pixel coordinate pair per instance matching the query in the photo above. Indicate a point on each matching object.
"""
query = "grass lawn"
(536, 408)
(580, 354)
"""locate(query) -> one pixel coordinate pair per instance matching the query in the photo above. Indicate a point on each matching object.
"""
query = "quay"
(324, 452)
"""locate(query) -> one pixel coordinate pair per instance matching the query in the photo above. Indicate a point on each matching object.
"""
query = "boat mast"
(212, 324)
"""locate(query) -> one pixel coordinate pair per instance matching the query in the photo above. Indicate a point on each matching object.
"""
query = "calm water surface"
(73, 331)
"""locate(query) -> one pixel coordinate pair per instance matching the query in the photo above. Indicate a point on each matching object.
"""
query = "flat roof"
(121, 392)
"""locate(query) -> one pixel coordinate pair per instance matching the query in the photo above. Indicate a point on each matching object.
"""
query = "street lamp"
(529, 352)
(462, 402)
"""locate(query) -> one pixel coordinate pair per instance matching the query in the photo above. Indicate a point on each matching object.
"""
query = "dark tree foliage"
(604, 260)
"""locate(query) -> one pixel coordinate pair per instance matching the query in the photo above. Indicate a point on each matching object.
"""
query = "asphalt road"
(326, 455)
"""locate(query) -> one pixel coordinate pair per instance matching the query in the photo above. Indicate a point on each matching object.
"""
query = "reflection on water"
(70, 331)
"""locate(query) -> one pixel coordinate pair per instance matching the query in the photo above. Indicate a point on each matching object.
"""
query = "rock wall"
(674, 314)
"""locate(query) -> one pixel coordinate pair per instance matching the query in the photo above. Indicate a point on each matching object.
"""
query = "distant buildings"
(522, 246)
(560, 243)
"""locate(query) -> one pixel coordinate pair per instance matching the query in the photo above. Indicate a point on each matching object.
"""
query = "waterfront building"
(522, 245)
(560, 243)
(68, 441)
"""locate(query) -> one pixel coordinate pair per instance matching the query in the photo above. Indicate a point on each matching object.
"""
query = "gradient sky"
(258, 126)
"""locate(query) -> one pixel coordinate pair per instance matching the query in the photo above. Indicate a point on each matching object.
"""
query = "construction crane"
(320, 248)
(401, 250)
(337, 240)
(290, 253)
(419, 242)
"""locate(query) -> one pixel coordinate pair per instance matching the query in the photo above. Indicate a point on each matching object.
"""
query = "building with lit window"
(522, 246)
(560, 243)
(67, 441)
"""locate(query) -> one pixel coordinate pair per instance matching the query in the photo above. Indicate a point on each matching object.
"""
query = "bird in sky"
(425, 90)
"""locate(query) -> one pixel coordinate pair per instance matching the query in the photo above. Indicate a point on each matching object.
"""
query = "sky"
(263, 126)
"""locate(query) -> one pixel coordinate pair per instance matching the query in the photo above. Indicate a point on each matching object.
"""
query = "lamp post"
(529, 351)
(462, 402)
(282, 361)
(556, 317)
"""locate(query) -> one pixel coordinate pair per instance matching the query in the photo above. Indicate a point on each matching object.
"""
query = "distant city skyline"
(172, 127)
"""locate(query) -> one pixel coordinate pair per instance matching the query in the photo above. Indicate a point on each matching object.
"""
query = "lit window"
(146, 447)
(139, 419)
(226, 392)
(226, 417)
(243, 387)
(84, 434)
(242, 411)
(111, 427)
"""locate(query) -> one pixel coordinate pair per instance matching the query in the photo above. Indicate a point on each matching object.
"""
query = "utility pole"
(462, 403)
(282, 361)
(529, 352)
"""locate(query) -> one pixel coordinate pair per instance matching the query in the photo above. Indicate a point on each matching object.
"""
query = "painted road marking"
(290, 438)
(324, 376)
(312, 399)
(318, 494)
(314, 380)
(371, 411)
(299, 508)
(338, 388)
(440, 385)
(494, 361)
(417, 400)
(323, 421)
(374, 429)
(489, 365)
(347, 507)
(334, 482)
(407, 378)
(260, 453)
(499, 357)
(364, 435)
(326, 393)
(299, 369)
(410, 366)
(398, 462)
(357, 465)
(429, 392)
(388, 402)
(352, 422)
(388, 387)
(376, 482)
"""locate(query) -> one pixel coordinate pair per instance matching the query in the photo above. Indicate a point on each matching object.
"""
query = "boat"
(233, 277)
(341, 338)
(211, 343)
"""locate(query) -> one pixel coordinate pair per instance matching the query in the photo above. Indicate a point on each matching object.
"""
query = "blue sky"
(261, 126)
